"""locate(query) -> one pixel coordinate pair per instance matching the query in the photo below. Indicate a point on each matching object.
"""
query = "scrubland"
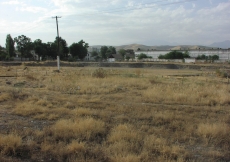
(113, 115)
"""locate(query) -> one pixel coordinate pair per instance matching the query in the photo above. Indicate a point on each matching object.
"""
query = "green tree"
(9, 46)
(122, 52)
(130, 51)
(103, 52)
(141, 56)
(201, 57)
(63, 47)
(51, 49)
(175, 55)
(39, 48)
(186, 54)
(215, 57)
(112, 49)
(107, 51)
(94, 54)
(79, 49)
(3, 54)
(24, 45)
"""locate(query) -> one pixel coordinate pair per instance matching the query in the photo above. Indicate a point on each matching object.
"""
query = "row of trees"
(204, 57)
(106, 52)
(181, 55)
(24, 45)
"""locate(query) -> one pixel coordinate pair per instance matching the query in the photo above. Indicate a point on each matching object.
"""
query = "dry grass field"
(113, 115)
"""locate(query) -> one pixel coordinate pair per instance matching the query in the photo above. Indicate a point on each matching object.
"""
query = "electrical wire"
(116, 10)
(132, 9)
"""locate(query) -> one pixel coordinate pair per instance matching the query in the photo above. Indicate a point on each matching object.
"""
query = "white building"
(190, 60)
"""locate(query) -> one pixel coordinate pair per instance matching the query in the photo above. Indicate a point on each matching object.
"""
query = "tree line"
(25, 45)
(181, 55)
(106, 51)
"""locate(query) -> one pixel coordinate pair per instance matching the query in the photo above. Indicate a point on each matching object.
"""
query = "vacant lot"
(113, 115)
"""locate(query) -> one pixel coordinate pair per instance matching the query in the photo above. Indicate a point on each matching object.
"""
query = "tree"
(3, 54)
(9, 46)
(141, 56)
(79, 49)
(186, 54)
(24, 45)
(107, 51)
(51, 49)
(215, 57)
(63, 48)
(103, 52)
(204, 57)
(39, 48)
(122, 52)
(130, 51)
(112, 50)
(94, 54)
(201, 57)
(175, 55)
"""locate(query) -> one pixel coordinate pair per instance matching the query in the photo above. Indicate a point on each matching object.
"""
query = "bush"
(99, 73)
(221, 74)
(175, 55)
(142, 56)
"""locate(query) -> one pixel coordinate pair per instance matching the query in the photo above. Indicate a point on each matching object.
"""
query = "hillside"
(224, 44)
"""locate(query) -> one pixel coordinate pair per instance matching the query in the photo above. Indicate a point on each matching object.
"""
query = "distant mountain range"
(135, 47)
(224, 44)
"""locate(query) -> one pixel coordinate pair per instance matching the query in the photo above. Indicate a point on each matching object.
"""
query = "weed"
(9, 143)
(82, 129)
(99, 73)
(77, 117)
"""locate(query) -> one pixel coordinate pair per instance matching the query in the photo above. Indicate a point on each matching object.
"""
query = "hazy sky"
(118, 22)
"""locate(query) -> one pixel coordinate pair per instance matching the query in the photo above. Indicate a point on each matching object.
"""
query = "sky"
(118, 22)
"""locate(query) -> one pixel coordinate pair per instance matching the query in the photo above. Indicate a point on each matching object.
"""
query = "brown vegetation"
(113, 115)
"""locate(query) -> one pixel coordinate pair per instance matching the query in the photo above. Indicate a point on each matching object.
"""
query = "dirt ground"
(119, 103)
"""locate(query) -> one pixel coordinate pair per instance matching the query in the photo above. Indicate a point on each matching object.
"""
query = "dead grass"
(131, 115)
(81, 129)
(9, 144)
(213, 130)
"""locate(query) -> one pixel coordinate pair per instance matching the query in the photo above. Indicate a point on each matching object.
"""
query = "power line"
(132, 9)
(115, 10)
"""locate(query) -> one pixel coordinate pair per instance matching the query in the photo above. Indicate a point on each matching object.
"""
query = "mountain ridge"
(225, 44)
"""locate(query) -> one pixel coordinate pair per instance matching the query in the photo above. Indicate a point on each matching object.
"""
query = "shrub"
(221, 74)
(142, 56)
(99, 73)
(175, 55)
(81, 129)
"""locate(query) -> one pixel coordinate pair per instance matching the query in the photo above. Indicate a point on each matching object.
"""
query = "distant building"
(190, 60)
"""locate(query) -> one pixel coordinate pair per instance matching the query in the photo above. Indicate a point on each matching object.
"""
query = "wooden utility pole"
(58, 54)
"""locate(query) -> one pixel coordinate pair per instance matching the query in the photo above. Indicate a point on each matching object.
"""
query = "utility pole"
(58, 54)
